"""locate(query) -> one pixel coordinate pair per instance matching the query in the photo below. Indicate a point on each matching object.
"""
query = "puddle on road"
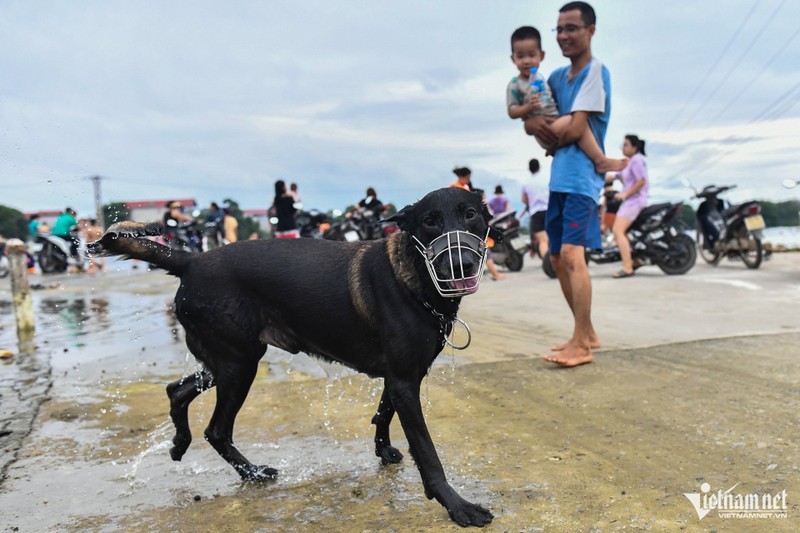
(105, 435)
(612, 446)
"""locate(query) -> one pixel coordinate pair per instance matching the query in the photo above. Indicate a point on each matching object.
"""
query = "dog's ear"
(404, 218)
(487, 216)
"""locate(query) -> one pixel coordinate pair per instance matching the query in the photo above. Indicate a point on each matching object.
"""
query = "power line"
(774, 110)
(733, 66)
(772, 115)
(714, 64)
(749, 85)
(764, 114)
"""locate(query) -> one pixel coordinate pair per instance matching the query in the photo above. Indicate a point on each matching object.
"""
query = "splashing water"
(158, 440)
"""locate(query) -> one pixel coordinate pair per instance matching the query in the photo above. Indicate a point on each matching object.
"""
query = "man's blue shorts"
(572, 219)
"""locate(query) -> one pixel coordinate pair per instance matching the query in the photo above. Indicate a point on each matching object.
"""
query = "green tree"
(687, 216)
(247, 225)
(780, 214)
(774, 213)
(115, 212)
(13, 223)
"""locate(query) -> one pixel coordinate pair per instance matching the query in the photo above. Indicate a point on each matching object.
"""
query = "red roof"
(44, 213)
(255, 212)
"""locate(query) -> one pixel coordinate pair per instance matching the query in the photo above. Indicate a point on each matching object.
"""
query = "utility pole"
(98, 202)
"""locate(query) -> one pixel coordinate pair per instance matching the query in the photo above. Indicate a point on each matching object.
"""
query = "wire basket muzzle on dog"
(455, 262)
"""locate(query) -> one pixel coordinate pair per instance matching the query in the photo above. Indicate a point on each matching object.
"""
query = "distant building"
(47, 216)
(259, 215)
(153, 211)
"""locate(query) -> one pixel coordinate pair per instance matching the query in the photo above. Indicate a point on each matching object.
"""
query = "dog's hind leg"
(233, 384)
(181, 393)
(382, 419)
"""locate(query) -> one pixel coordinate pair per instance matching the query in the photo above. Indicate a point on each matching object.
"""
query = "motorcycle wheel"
(712, 258)
(750, 256)
(514, 261)
(547, 266)
(682, 255)
(51, 259)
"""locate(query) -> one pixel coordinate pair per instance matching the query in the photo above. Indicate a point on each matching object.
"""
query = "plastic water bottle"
(537, 87)
(537, 84)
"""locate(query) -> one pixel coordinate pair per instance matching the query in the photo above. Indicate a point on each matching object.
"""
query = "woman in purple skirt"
(633, 197)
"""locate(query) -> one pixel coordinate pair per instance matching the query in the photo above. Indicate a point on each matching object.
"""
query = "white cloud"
(210, 100)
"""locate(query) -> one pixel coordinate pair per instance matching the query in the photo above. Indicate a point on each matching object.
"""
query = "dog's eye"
(471, 213)
(429, 221)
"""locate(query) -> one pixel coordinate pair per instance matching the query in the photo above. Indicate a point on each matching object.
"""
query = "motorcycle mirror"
(196, 213)
(789, 183)
(172, 222)
(686, 183)
(298, 206)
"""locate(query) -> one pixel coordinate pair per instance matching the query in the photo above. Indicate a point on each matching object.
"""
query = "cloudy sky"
(214, 100)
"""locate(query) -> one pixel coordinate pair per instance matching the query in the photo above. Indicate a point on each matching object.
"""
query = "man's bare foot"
(610, 165)
(594, 344)
(498, 276)
(573, 356)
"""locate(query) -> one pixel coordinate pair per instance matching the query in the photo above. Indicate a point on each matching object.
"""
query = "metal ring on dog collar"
(469, 337)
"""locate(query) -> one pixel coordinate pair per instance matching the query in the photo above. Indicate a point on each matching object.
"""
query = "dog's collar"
(446, 327)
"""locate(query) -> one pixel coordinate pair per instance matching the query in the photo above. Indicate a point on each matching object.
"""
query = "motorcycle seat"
(736, 209)
(650, 209)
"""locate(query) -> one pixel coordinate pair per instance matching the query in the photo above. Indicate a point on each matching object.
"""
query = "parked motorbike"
(362, 225)
(656, 239)
(510, 251)
(344, 230)
(183, 236)
(56, 254)
(312, 223)
(212, 234)
(728, 230)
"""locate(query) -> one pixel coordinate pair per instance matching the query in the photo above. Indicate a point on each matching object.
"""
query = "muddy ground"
(697, 383)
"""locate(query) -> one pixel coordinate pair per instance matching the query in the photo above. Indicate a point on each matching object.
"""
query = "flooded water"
(105, 434)
(608, 448)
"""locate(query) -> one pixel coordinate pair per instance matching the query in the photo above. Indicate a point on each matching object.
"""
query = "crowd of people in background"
(71, 229)
(221, 227)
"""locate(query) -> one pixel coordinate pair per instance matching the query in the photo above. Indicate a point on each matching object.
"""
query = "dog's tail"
(128, 240)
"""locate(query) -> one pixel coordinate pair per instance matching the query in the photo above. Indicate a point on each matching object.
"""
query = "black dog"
(372, 306)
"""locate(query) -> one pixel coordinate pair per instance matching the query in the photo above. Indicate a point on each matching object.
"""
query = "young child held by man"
(528, 96)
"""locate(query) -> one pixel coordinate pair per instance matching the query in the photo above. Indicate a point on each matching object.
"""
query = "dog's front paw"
(258, 474)
(177, 451)
(469, 514)
(389, 455)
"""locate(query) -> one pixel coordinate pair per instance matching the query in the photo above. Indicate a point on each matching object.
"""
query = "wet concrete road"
(697, 383)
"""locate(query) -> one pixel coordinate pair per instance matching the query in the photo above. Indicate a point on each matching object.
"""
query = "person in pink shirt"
(633, 197)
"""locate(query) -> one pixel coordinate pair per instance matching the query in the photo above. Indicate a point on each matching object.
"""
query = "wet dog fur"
(361, 304)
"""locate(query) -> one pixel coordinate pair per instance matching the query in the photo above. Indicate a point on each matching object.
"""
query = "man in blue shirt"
(63, 228)
(583, 90)
(64, 224)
